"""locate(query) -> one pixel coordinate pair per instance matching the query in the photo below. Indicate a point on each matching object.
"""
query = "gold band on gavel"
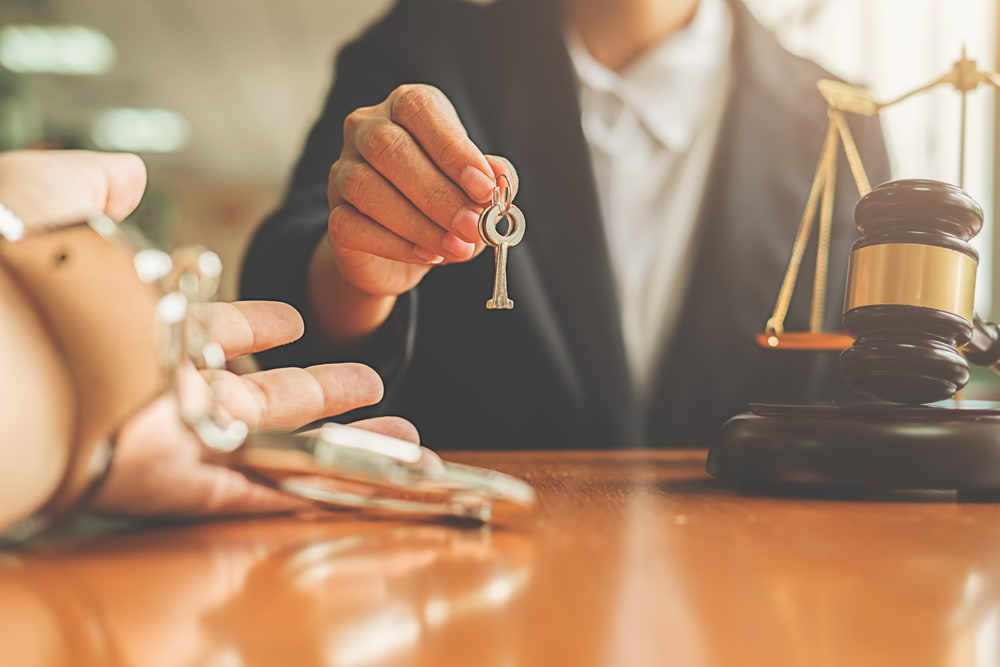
(911, 274)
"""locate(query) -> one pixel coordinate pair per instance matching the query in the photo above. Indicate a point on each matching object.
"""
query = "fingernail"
(466, 225)
(476, 184)
(425, 255)
(457, 247)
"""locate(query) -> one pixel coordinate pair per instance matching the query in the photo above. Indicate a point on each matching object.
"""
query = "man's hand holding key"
(405, 195)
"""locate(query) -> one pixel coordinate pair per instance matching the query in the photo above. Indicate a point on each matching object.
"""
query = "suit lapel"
(745, 236)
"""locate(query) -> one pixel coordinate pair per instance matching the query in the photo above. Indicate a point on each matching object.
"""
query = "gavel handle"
(984, 347)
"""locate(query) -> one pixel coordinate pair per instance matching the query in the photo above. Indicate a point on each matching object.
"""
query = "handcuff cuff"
(128, 317)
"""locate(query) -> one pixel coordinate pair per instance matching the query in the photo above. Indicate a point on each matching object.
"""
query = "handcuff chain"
(183, 311)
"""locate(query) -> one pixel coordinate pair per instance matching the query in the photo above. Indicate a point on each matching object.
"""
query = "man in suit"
(663, 151)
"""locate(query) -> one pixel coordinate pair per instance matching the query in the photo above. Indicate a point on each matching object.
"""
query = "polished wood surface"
(634, 558)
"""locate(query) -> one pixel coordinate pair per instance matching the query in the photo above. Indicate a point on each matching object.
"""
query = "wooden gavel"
(909, 307)
(910, 290)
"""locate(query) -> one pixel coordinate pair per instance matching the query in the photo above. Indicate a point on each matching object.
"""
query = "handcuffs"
(126, 318)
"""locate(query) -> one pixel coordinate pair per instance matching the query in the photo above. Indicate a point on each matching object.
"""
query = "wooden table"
(635, 558)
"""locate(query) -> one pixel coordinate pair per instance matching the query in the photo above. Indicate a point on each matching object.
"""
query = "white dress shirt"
(652, 130)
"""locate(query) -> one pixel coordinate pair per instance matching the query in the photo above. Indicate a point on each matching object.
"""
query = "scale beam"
(844, 98)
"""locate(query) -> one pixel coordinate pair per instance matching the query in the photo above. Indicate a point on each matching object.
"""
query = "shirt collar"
(669, 86)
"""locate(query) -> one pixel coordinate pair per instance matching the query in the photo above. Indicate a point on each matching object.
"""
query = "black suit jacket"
(552, 373)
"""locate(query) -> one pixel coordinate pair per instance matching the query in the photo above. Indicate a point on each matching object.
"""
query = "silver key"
(501, 208)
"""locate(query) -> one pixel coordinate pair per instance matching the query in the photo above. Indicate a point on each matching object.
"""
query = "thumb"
(125, 175)
(51, 188)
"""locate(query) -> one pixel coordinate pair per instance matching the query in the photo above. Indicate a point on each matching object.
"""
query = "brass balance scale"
(910, 332)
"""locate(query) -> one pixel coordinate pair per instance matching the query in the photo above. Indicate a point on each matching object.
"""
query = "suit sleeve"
(276, 261)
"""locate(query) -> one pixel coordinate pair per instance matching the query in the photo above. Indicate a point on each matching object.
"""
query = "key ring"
(501, 206)
(502, 197)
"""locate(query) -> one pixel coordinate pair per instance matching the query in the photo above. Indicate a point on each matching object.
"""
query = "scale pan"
(805, 340)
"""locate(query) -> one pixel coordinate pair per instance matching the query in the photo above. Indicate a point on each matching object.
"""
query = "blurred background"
(217, 95)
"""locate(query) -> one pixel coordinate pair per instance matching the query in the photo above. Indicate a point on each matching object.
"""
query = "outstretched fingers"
(284, 399)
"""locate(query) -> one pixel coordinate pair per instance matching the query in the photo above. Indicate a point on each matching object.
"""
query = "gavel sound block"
(909, 307)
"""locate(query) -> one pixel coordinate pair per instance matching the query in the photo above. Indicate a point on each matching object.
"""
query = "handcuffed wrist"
(84, 475)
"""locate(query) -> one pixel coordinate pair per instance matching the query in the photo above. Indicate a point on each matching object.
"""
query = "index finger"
(245, 327)
(427, 114)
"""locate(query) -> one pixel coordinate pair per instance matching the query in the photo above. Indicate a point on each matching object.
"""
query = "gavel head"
(910, 288)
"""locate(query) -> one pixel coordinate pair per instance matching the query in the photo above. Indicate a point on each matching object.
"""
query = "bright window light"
(893, 47)
(141, 130)
(67, 49)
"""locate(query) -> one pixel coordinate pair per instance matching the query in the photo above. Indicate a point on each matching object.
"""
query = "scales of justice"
(910, 333)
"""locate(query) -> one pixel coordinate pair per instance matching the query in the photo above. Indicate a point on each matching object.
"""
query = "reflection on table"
(635, 558)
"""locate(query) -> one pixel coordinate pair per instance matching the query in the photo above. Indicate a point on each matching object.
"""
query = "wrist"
(347, 313)
(37, 407)
(108, 367)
